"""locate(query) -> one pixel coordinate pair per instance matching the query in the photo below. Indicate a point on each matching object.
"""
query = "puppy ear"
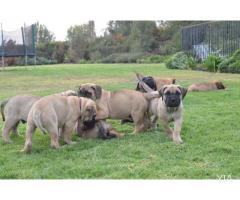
(183, 91)
(98, 91)
(161, 91)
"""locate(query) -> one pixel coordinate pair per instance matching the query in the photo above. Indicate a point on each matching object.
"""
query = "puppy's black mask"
(172, 99)
(89, 124)
(84, 93)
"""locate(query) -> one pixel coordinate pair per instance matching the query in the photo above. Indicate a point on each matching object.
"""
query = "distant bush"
(231, 64)
(121, 58)
(84, 61)
(212, 63)
(20, 61)
(180, 60)
(191, 62)
(153, 59)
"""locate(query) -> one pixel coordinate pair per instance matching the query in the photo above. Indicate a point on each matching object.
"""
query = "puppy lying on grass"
(96, 129)
(215, 85)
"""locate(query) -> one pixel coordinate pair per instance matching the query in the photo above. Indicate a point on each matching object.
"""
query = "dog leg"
(154, 119)
(166, 128)
(67, 134)
(14, 129)
(54, 140)
(177, 131)
(28, 141)
(8, 126)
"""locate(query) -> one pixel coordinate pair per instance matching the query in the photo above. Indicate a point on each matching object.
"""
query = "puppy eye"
(178, 93)
(167, 93)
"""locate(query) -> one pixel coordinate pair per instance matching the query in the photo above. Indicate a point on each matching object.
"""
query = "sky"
(59, 15)
(59, 29)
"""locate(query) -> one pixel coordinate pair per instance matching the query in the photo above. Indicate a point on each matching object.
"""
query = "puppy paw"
(178, 141)
(55, 146)
(26, 150)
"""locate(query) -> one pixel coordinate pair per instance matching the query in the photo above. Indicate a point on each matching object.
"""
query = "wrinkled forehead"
(172, 88)
(88, 85)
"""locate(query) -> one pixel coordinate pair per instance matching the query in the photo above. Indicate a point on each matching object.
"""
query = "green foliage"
(231, 64)
(120, 37)
(153, 59)
(80, 37)
(53, 51)
(212, 62)
(191, 62)
(180, 60)
(43, 34)
(122, 58)
(20, 61)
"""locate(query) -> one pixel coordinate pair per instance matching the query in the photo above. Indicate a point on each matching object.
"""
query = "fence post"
(33, 42)
(24, 44)
(3, 64)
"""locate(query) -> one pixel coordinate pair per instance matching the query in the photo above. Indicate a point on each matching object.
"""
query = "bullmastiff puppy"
(121, 104)
(16, 109)
(96, 129)
(215, 85)
(167, 108)
(55, 112)
(154, 83)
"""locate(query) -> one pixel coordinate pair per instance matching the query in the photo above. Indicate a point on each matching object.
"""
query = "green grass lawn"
(211, 129)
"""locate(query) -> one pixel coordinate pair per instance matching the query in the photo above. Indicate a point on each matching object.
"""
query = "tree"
(43, 34)
(80, 37)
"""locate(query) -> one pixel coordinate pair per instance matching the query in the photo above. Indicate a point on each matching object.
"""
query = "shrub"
(191, 62)
(122, 58)
(152, 59)
(20, 61)
(180, 61)
(212, 62)
(231, 64)
(83, 61)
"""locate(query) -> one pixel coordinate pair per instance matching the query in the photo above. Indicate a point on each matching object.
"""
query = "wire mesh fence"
(221, 38)
(20, 42)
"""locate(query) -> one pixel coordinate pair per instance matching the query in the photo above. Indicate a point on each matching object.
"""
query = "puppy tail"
(2, 106)
(144, 85)
(151, 95)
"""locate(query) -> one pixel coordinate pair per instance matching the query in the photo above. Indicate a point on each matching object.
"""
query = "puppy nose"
(173, 100)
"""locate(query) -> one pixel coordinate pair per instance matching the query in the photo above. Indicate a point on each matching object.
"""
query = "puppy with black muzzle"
(167, 108)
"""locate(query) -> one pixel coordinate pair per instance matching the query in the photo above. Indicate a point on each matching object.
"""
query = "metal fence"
(20, 42)
(221, 38)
